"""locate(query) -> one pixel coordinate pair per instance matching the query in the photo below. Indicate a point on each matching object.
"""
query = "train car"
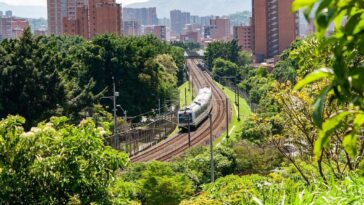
(201, 65)
(197, 111)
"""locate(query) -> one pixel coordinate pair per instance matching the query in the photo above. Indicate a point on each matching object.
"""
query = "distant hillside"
(25, 11)
(197, 7)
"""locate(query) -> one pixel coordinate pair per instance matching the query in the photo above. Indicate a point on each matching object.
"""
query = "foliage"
(345, 75)
(255, 189)
(245, 58)
(224, 68)
(285, 70)
(187, 45)
(29, 84)
(252, 158)
(226, 50)
(45, 76)
(198, 163)
(55, 162)
(159, 183)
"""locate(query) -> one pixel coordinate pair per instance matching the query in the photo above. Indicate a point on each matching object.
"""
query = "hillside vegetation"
(302, 143)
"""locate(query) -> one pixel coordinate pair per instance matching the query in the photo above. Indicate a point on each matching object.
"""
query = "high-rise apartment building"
(5, 27)
(89, 18)
(158, 31)
(190, 36)
(9, 13)
(57, 10)
(274, 27)
(219, 29)
(131, 28)
(244, 36)
(18, 26)
(178, 21)
(144, 16)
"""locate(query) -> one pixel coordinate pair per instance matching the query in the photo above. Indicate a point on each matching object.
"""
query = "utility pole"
(227, 118)
(126, 131)
(189, 131)
(211, 152)
(237, 88)
(236, 91)
(185, 98)
(159, 108)
(115, 95)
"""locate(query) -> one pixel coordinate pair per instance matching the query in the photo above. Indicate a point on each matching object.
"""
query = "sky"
(44, 2)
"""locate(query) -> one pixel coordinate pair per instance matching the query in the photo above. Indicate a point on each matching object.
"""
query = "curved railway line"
(177, 145)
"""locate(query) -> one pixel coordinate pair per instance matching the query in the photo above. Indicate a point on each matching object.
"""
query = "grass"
(181, 90)
(235, 126)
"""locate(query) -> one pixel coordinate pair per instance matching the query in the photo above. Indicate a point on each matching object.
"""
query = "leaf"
(319, 107)
(358, 122)
(314, 76)
(349, 143)
(300, 4)
(328, 128)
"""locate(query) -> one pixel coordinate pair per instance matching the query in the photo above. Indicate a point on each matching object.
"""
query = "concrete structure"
(18, 26)
(164, 22)
(244, 35)
(11, 27)
(132, 28)
(158, 31)
(144, 16)
(178, 21)
(9, 13)
(5, 28)
(57, 10)
(191, 36)
(219, 29)
(89, 18)
(274, 27)
(40, 32)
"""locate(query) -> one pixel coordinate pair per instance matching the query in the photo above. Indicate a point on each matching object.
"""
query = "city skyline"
(44, 2)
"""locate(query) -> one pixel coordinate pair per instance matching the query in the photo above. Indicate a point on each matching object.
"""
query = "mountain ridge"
(25, 11)
(196, 7)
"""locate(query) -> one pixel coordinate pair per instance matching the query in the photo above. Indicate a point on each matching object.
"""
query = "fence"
(137, 137)
(232, 86)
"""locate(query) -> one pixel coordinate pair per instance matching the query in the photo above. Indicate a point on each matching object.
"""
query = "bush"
(55, 163)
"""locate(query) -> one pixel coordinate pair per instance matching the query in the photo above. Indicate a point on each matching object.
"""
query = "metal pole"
(191, 90)
(238, 104)
(116, 138)
(185, 98)
(126, 130)
(235, 91)
(159, 108)
(189, 131)
(211, 152)
(227, 118)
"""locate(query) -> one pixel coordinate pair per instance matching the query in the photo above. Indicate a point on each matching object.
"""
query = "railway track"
(177, 145)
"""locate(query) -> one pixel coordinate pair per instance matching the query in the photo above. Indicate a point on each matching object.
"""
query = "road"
(175, 146)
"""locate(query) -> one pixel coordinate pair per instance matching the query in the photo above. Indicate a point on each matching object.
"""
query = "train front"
(185, 118)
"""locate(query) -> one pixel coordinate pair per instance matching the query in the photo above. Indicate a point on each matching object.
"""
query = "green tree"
(226, 50)
(344, 76)
(55, 163)
(29, 82)
(159, 183)
(223, 67)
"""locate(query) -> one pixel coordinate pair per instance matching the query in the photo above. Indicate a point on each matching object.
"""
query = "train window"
(183, 118)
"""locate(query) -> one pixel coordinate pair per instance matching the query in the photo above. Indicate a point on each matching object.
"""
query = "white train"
(197, 111)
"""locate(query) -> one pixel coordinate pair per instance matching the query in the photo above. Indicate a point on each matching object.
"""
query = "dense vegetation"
(45, 76)
(302, 145)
